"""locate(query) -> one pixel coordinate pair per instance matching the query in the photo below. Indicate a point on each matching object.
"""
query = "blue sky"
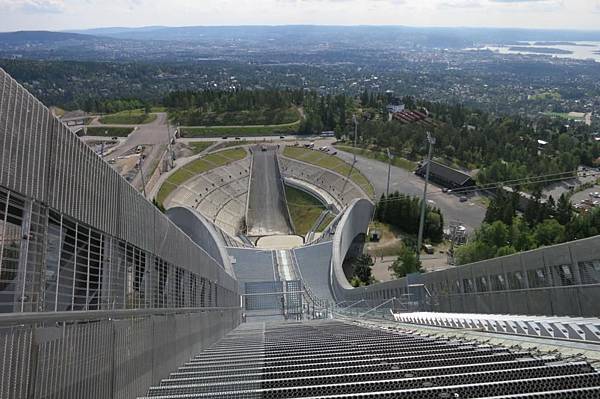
(75, 14)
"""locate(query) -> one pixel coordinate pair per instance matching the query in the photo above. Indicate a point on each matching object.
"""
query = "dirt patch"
(389, 244)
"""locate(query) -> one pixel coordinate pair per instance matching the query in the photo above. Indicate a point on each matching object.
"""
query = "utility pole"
(431, 141)
(387, 191)
(141, 165)
(355, 134)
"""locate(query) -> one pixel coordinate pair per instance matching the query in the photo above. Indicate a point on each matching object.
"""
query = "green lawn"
(109, 131)
(226, 144)
(200, 165)
(548, 95)
(304, 209)
(563, 115)
(380, 156)
(132, 117)
(199, 146)
(240, 131)
(328, 219)
(330, 162)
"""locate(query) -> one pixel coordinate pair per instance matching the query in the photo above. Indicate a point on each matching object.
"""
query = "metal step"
(333, 359)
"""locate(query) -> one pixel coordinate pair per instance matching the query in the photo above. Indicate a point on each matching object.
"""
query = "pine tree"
(564, 210)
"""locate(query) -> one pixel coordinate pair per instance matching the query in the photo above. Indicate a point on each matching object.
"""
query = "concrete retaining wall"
(561, 280)
(203, 233)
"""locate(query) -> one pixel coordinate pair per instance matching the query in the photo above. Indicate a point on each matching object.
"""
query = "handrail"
(12, 319)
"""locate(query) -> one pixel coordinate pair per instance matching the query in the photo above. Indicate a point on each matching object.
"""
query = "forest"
(543, 223)
(403, 212)
(501, 147)
(233, 108)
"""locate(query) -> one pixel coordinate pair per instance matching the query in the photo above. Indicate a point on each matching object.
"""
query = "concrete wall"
(203, 233)
(558, 280)
(354, 222)
(562, 280)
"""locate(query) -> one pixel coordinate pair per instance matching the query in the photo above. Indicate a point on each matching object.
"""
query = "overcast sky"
(75, 14)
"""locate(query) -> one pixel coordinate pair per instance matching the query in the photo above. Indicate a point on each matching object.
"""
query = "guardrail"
(104, 354)
(561, 328)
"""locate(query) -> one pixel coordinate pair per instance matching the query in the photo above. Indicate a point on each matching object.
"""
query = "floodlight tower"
(390, 158)
(431, 141)
(355, 134)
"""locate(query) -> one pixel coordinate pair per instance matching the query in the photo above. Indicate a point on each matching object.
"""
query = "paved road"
(585, 195)
(555, 190)
(154, 136)
(242, 138)
(267, 210)
(150, 134)
(470, 214)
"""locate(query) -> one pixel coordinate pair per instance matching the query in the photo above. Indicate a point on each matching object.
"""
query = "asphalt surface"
(267, 210)
(153, 136)
(557, 189)
(148, 134)
(470, 214)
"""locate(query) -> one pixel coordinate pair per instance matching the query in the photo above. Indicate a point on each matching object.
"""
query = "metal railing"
(102, 354)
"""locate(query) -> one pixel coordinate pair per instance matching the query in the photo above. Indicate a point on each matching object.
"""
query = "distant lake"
(575, 50)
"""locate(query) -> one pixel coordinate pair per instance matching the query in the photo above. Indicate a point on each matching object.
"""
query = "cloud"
(34, 6)
(460, 4)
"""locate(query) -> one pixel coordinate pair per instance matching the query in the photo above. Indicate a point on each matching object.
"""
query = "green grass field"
(200, 165)
(199, 146)
(379, 156)
(240, 131)
(330, 162)
(109, 131)
(547, 95)
(304, 209)
(563, 115)
(132, 117)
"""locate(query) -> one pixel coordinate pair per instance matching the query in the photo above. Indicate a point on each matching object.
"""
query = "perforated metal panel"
(79, 236)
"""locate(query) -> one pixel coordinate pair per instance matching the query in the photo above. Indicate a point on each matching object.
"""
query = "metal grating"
(333, 359)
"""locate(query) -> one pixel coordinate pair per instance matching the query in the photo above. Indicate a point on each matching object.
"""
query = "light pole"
(355, 134)
(141, 165)
(387, 191)
(431, 141)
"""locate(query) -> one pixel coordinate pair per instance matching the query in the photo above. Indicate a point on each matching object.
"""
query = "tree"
(549, 232)
(564, 210)
(501, 208)
(406, 263)
(474, 251)
(361, 267)
(533, 212)
(380, 209)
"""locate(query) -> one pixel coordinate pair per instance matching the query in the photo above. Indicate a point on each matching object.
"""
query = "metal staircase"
(335, 359)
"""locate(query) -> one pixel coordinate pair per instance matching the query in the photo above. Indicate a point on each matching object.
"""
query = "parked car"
(595, 194)
(428, 248)
(463, 198)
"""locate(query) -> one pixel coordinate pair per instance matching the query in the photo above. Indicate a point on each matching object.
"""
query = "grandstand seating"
(219, 194)
(338, 186)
